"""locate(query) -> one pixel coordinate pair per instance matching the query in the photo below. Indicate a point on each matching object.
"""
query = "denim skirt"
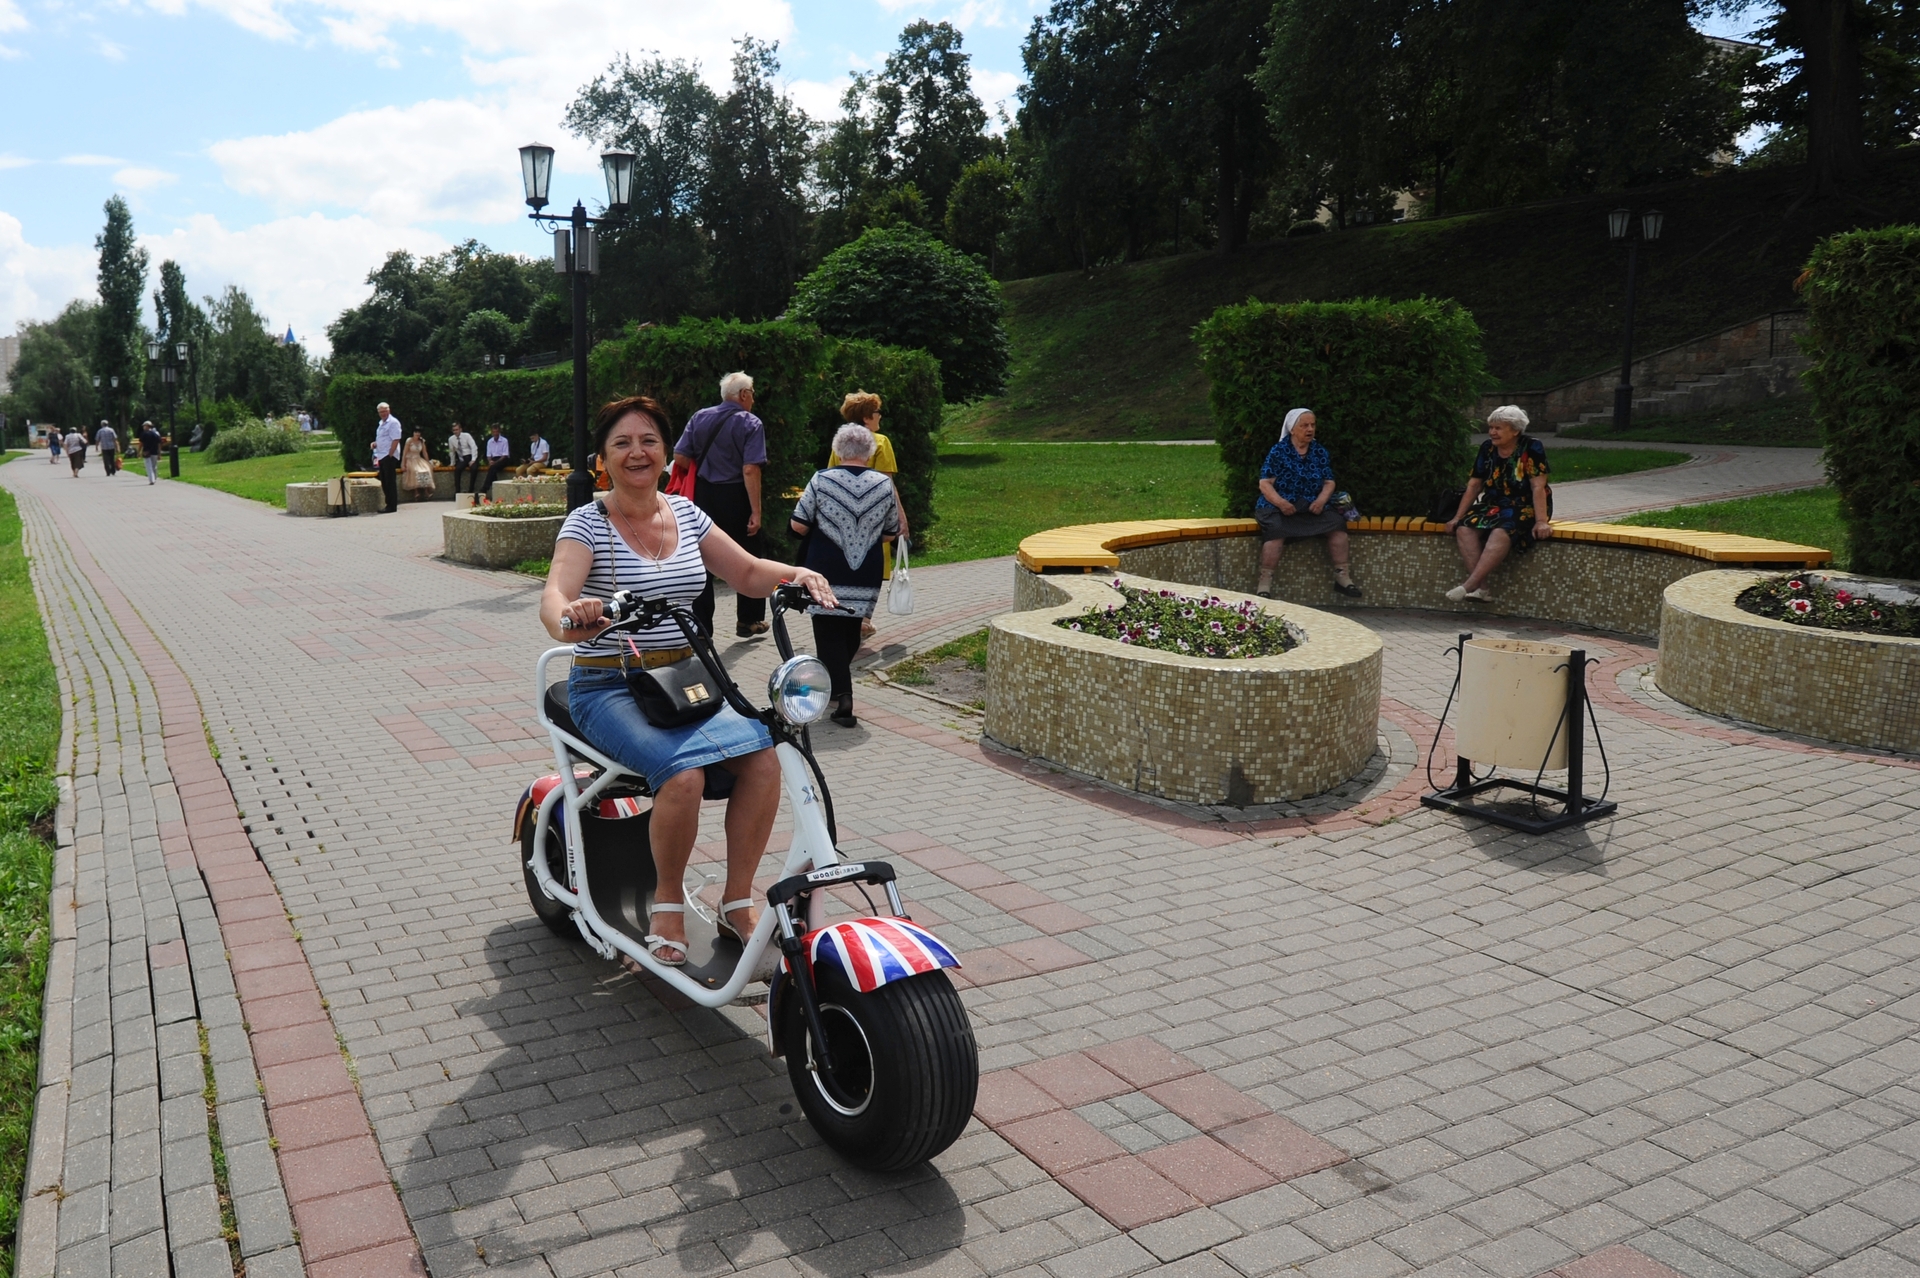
(605, 711)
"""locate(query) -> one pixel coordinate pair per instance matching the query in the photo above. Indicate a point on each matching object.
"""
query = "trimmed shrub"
(799, 378)
(255, 439)
(901, 286)
(1863, 307)
(1390, 383)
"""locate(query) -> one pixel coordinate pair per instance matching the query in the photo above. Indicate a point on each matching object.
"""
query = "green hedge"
(799, 378)
(1863, 307)
(1391, 384)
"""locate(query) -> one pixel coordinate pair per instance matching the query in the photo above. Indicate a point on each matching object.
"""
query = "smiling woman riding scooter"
(643, 540)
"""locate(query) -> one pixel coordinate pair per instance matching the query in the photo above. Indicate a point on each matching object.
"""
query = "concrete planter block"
(310, 500)
(488, 542)
(1192, 729)
(530, 489)
(1858, 689)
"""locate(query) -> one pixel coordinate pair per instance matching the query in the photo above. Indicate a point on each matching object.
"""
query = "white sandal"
(725, 928)
(655, 943)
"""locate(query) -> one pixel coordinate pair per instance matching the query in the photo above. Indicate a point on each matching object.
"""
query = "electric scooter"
(878, 1046)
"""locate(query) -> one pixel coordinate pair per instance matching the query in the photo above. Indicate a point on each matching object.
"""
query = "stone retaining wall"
(1193, 729)
(487, 542)
(1573, 583)
(1858, 689)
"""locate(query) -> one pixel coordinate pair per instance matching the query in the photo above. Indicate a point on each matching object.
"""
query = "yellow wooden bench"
(1091, 546)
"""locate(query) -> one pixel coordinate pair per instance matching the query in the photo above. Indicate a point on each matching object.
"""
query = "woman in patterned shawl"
(843, 515)
(1507, 505)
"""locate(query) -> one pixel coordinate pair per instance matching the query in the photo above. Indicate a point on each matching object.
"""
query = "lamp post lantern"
(576, 254)
(170, 357)
(1621, 229)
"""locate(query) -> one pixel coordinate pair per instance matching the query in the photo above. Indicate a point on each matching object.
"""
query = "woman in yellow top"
(862, 408)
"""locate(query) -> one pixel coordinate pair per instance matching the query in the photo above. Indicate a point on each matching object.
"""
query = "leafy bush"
(799, 379)
(226, 414)
(1863, 307)
(255, 439)
(1389, 382)
(1208, 627)
(901, 286)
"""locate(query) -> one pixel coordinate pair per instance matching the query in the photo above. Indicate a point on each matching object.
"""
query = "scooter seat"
(558, 713)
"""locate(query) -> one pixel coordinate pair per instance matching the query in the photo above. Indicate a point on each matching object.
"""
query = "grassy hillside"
(1110, 355)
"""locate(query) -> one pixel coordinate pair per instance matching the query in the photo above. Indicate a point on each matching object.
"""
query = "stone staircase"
(1743, 363)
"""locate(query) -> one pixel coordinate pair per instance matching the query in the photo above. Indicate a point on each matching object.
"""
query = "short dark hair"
(612, 412)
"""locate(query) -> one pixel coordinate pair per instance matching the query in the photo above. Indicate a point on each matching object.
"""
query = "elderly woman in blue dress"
(1296, 495)
(845, 513)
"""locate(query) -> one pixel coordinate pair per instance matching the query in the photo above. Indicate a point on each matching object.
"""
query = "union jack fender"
(871, 951)
(534, 795)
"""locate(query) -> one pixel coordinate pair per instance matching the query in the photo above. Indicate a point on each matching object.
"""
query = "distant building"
(9, 356)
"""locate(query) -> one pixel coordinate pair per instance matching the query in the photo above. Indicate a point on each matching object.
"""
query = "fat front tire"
(906, 1068)
(557, 917)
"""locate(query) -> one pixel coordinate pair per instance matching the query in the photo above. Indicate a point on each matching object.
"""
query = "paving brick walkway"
(1681, 1040)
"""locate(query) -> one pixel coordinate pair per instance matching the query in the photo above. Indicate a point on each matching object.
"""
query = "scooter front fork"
(801, 967)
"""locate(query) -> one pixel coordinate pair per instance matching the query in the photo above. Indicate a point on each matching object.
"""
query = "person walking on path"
(727, 447)
(417, 462)
(386, 457)
(845, 513)
(150, 451)
(76, 446)
(465, 456)
(108, 442)
(56, 443)
(498, 454)
(863, 408)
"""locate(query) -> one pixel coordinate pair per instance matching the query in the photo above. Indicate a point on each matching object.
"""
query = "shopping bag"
(900, 591)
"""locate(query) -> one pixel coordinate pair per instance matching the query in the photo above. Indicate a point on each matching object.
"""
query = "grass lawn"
(991, 495)
(257, 478)
(1806, 516)
(1777, 423)
(29, 734)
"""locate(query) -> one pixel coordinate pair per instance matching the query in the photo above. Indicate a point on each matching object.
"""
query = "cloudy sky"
(289, 145)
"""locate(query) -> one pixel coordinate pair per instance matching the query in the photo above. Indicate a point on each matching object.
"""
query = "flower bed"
(1835, 603)
(1170, 622)
(488, 537)
(518, 509)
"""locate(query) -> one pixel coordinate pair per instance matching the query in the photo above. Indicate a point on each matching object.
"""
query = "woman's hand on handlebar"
(583, 618)
(815, 586)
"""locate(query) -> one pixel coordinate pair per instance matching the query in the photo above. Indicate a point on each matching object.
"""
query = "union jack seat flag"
(535, 794)
(874, 951)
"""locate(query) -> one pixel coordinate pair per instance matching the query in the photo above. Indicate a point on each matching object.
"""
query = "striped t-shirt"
(680, 577)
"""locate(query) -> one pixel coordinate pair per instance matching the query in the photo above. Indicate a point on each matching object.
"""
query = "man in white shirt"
(465, 456)
(498, 452)
(537, 454)
(386, 457)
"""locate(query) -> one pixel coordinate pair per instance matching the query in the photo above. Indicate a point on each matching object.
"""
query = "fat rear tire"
(906, 1062)
(557, 917)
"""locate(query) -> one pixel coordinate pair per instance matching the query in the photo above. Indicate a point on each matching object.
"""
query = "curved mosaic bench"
(1858, 689)
(1603, 576)
(1194, 729)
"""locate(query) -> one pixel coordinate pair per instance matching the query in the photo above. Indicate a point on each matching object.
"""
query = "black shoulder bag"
(677, 695)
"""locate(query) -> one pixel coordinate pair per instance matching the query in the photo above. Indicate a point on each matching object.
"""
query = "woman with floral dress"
(1511, 471)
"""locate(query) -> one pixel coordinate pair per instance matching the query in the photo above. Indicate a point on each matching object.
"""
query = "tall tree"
(942, 126)
(178, 318)
(753, 203)
(412, 323)
(118, 339)
(50, 382)
(980, 208)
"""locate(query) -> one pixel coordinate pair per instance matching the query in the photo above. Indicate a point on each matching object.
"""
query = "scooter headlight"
(800, 689)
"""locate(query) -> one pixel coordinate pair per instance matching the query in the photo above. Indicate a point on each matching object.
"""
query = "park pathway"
(1358, 1043)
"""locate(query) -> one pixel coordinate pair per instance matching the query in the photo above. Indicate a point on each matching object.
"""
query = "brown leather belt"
(647, 660)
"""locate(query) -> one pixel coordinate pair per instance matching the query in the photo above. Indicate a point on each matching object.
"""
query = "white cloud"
(818, 98)
(997, 88)
(35, 281)
(301, 271)
(14, 161)
(135, 178)
(11, 19)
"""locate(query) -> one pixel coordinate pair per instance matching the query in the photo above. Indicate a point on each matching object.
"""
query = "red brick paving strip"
(347, 1219)
(1246, 1147)
(1617, 1261)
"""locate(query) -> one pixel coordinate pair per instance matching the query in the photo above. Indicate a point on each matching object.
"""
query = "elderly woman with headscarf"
(1511, 470)
(843, 515)
(1296, 496)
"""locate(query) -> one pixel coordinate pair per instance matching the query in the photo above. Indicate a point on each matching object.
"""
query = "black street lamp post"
(576, 254)
(174, 355)
(1620, 229)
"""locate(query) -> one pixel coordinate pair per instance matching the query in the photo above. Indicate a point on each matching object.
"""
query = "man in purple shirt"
(727, 446)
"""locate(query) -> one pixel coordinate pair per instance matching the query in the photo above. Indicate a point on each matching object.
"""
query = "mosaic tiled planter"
(1858, 689)
(1192, 729)
(530, 489)
(488, 542)
(310, 500)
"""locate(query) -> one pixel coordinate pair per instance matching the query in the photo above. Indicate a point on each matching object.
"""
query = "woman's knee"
(761, 765)
(682, 787)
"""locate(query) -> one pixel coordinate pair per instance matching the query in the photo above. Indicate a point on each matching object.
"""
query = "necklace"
(640, 543)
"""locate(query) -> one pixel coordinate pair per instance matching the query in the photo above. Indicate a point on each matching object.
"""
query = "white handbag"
(900, 593)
